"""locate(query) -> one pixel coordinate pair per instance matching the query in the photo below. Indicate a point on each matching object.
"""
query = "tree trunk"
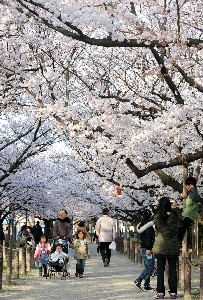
(195, 239)
(187, 277)
(28, 266)
(23, 262)
(16, 264)
(1, 263)
(184, 243)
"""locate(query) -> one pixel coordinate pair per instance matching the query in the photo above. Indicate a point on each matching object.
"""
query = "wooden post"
(28, 265)
(195, 239)
(122, 246)
(4, 249)
(1, 263)
(128, 248)
(125, 246)
(131, 246)
(201, 278)
(16, 264)
(133, 252)
(136, 252)
(32, 257)
(187, 277)
(9, 263)
(23, 261)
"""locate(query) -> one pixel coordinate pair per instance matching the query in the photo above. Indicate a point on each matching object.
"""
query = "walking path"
(111, 283)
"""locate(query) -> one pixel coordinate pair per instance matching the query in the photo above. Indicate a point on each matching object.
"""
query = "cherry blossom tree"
(122, 79)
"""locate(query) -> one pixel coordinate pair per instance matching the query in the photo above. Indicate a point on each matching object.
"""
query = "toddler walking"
(80, 245)
(41, 253)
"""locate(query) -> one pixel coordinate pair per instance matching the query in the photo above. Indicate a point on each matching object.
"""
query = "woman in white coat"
(105, 229)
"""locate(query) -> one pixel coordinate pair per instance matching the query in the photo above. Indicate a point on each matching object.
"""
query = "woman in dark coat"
(147, 234)
(166, 246)
(63, 227)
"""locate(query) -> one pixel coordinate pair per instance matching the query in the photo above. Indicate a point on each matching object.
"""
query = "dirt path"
(112, 283)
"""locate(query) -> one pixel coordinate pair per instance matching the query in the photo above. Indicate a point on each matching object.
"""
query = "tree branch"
(162, 165)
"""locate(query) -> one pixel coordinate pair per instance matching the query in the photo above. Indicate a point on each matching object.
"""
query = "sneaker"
(81, 275)
(106, 263)
(76, 274)
(173, 296)
(159, 296)
(137, 284)
(148, 288)
(154, 273)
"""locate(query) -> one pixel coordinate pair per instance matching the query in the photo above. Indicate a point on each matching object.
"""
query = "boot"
(45, 272)
(40, 271)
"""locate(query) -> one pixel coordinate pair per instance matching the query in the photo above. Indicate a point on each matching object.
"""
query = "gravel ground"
(111, 283)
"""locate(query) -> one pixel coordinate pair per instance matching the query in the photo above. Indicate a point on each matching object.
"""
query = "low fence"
(17, 260)
(131, 249)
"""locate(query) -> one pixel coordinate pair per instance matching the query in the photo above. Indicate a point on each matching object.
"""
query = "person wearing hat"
(147, 236)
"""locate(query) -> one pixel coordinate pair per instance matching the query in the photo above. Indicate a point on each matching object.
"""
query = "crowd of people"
(160, 239)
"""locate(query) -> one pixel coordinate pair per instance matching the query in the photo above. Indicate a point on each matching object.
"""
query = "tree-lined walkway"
(99, 283)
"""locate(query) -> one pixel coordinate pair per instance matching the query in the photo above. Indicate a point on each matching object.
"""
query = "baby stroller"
(59, 266)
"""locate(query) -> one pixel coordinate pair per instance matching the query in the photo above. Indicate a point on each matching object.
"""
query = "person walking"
(96, 239)
(63, 227)
(105, 230)
(166, 246)
(42, 253)
(37, 232)
(80, 245)
(147, 236)
(81, 226)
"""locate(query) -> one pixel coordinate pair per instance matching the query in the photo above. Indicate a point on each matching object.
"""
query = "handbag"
(112, 246)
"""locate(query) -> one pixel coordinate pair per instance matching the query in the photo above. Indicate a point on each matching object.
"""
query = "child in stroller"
(58, 260)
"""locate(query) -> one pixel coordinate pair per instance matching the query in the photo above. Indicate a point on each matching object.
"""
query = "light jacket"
(81, 249)
(105, 229)
(38, 250)
(57, 256)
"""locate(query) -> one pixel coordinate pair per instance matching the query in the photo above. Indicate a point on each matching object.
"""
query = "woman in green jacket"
(166, 246)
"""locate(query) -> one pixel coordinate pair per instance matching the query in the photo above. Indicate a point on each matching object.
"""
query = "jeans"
(80, 265)
(172, 276)
(105, 251)
(148, 268)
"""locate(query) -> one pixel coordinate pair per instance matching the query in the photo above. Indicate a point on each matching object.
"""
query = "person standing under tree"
(37, 232)
(166, 246)
(105, 230)
(147, 235)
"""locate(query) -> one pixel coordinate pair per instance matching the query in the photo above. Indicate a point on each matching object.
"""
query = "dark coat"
(147, 234)
(37, 231)
(63, 228)
(166, 242)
